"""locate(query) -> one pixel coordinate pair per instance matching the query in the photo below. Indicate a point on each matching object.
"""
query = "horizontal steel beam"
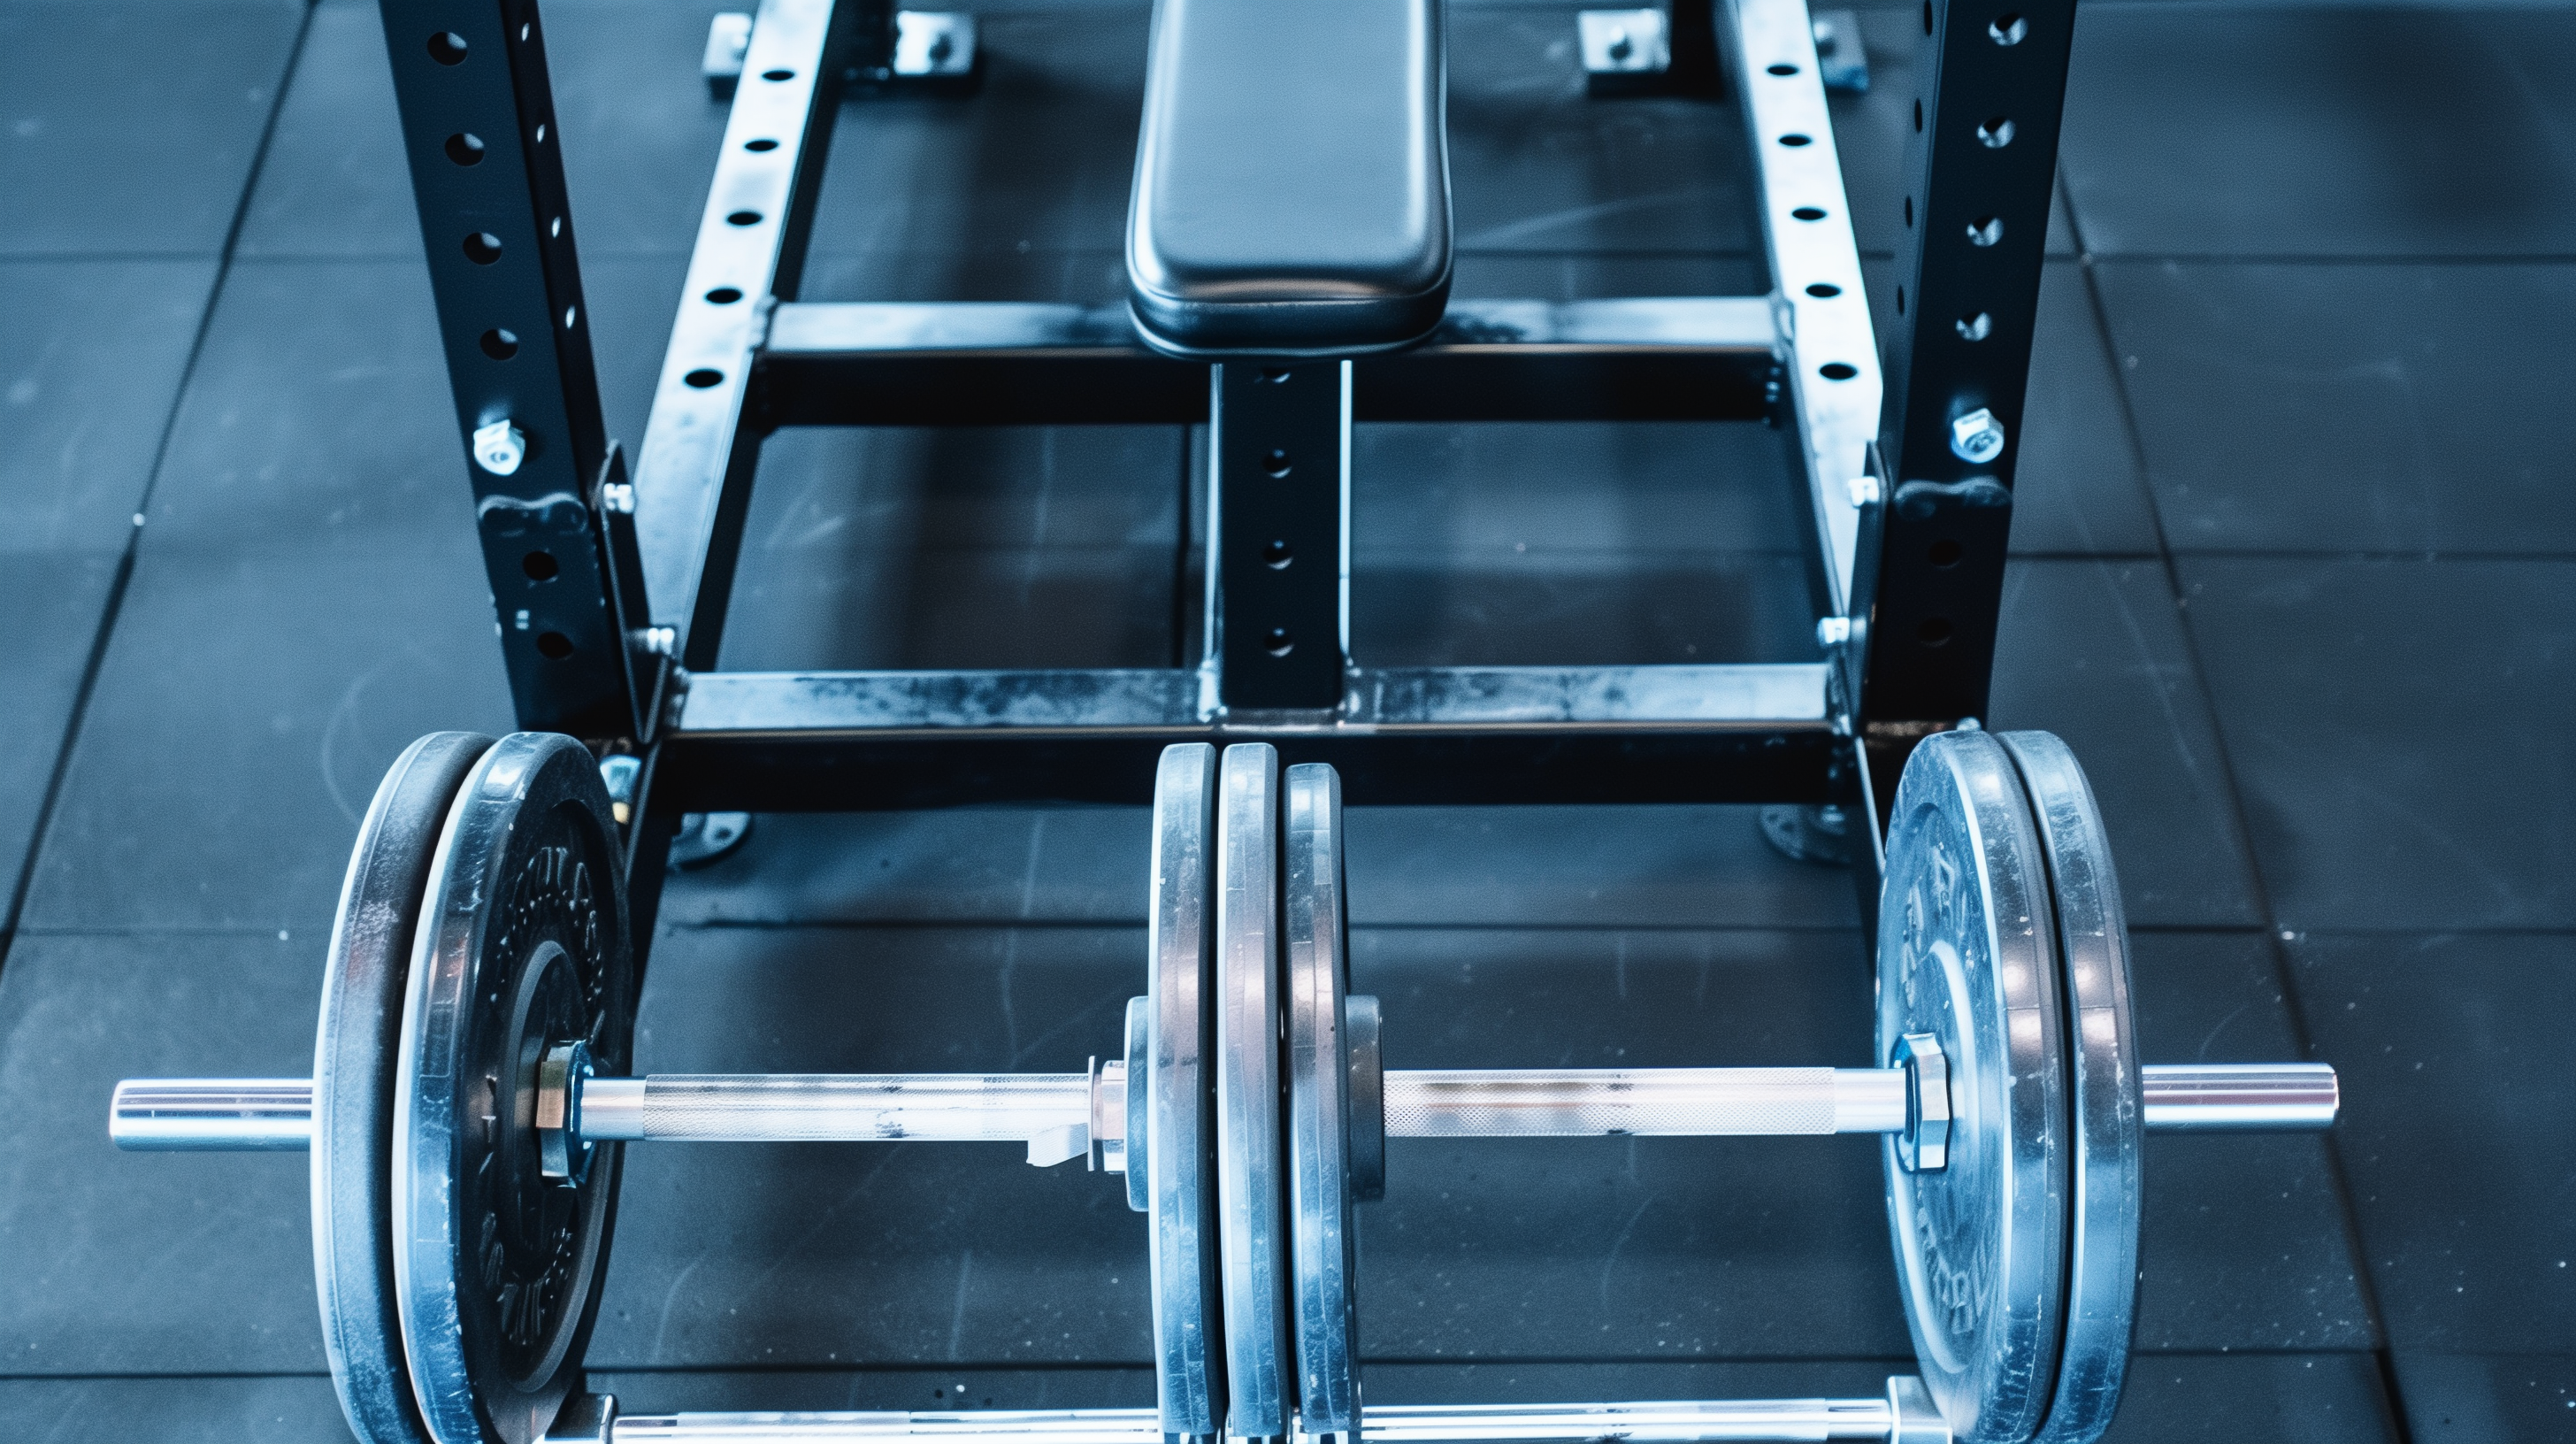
(1175, 702)
(801, 741)
(1007, 363)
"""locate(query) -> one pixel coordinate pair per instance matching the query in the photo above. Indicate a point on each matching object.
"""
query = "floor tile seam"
(2362, 7)
(910, 924)
(1143, 1364)
(2061, 555)
(2412, 555)
(2536, 934)
(1370, 553)
(23, 885)
(2284, 971)
(209, 1376)
(1427, 556)
(101, 258)
(1462, 252)
(279, 260)
(669, 926)
(2427, 260)
(266, 258)
(1507, 1361)
(147, 930)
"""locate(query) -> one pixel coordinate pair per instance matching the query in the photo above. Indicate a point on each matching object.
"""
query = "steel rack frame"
(611, 589)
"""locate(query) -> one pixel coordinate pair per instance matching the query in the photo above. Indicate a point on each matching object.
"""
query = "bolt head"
(1832, 632)
(1977, 437)
(500, 447)
(1864, 491)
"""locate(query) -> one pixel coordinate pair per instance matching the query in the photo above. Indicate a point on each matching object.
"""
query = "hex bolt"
(500, 447)
(1864, 491)
(1977, 437)
(1832, 632)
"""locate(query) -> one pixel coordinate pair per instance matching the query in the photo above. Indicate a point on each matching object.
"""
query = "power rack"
(611, 588)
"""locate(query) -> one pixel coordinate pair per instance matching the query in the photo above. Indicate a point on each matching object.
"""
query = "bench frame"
(1908, 554)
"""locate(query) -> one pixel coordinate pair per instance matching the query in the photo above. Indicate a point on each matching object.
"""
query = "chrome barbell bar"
(1903, 1415)
(1062, 1115)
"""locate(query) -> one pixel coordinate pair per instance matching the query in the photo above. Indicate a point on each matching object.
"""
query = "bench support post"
(1278, 573)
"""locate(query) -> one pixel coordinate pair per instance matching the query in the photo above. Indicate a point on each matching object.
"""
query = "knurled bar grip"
(253, 1114)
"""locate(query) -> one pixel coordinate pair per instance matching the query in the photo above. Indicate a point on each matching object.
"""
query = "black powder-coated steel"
(487, 173)
(1981, 159)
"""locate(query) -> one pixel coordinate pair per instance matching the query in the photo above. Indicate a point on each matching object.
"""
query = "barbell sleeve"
(255, 1115)
(2239, 1097)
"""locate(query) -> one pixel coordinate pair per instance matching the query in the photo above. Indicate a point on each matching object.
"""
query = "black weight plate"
(354, 1061)
(1323, 1241)
(1967, 953)
(1179, 1122)
(499, 1269)
(2102, 1081)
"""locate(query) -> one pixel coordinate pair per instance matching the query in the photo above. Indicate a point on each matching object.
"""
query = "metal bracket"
(1840, 62)
(728, 40)
(1624, 51)
(648, 648)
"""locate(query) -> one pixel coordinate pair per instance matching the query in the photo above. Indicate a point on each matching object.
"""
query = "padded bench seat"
(1292, 179)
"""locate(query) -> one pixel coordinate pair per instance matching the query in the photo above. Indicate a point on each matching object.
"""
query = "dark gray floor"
(2298, 571)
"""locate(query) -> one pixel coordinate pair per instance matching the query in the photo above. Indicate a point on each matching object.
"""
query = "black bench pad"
(1292, 178)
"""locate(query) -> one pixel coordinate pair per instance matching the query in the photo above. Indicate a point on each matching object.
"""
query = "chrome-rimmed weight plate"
(1251, 1193)
(1967, 954)
(355, 1051)
(1179, 1117)
(2102, 1079)
(524, 946)
(1321, 1235)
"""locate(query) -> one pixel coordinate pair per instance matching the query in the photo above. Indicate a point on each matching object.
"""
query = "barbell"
(477, 1016)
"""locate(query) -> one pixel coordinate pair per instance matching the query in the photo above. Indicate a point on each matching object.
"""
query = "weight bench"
(1291, 211)
(1292, 180)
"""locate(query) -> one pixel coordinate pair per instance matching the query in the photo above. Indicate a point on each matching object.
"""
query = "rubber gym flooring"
(2297, 579)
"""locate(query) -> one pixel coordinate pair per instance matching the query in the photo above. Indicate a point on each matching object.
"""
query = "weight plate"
(354, 1056)
(2102, 1079)
(526, 946)
(1967, 953)
(1179, 1122)
(1319, 1129)
(1252, 1230)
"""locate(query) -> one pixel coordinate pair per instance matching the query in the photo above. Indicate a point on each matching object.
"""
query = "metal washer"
(2102, 1081)
(1967, 953)
(355, 1052)
(1252, 1236)
(1171, 1178)
(523, 944)
(1320, 1165)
